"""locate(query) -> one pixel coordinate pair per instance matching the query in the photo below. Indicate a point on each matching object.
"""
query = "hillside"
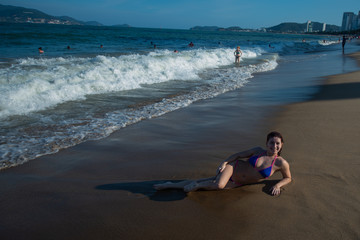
(12, 14)
(281, 28)
(300, 27)
(215, 28)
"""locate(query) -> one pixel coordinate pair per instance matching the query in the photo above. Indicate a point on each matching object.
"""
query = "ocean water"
(63, 97)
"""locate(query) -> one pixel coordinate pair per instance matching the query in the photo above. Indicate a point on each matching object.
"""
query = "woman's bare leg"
(220, 182)
(179, 185)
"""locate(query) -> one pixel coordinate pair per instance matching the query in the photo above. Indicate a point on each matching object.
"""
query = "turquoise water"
(66, 96)
(23, 40)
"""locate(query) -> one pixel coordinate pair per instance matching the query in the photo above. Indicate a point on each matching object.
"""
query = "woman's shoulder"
(251, 152)
(281, 162)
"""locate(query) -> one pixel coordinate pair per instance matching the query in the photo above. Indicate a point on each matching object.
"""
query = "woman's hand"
(275, 190)
(221, 167)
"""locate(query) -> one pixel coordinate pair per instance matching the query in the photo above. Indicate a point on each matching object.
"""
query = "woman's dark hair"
(275, 134)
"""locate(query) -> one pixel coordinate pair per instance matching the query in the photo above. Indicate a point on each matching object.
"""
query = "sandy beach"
(103, 189)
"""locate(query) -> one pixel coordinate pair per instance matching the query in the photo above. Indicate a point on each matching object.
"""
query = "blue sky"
(183, 14)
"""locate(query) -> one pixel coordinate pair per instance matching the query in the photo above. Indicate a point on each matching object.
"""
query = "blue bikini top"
(266, 172)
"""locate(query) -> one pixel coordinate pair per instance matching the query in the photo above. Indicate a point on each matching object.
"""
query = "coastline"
(103, 189)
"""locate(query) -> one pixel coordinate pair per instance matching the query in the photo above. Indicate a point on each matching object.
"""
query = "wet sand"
(103, 189)
(323, 147)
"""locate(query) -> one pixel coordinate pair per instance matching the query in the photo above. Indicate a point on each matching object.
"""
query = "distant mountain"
(215, 28)
(122, 25)
(234, 29)
(290, 27)
(12, 14)
(281, 28)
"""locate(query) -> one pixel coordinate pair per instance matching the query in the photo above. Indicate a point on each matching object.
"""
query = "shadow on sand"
(146, 188)
(339, 91)
(268, 184)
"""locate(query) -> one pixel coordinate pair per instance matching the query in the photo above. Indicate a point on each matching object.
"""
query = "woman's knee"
(223, 178)
(220, 185)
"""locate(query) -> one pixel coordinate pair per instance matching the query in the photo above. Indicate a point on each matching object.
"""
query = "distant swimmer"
(191, 44)
(40, 50)
(176, 51)
(101, 46)
(271, 46)
(68, 48)
(237, 54)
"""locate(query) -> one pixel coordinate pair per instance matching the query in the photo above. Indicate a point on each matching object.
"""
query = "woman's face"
(274, 145)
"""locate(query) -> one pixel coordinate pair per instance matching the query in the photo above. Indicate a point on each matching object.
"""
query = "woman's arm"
(236, 156)
(243, 154)
(285, 171)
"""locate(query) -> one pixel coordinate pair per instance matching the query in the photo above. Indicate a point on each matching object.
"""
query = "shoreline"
(103, 189)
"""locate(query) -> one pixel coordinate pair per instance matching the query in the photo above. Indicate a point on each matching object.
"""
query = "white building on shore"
(309, 26)
(324, 27)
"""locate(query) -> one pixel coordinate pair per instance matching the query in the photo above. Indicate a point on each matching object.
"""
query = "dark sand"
(103, 189)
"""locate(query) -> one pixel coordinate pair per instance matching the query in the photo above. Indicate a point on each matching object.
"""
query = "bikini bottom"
(231, 180)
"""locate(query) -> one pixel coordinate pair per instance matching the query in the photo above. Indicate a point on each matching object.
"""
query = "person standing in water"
(343, 43)
(237, 54)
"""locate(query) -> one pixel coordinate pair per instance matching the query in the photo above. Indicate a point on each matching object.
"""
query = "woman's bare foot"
(162, 186)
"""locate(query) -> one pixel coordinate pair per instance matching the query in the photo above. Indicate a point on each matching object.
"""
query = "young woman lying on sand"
(235, 172)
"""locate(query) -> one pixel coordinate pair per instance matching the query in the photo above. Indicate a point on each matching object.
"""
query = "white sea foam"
(37, 84)
(51, 102)
(327, 42)
(71, 132)
(54, 81)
